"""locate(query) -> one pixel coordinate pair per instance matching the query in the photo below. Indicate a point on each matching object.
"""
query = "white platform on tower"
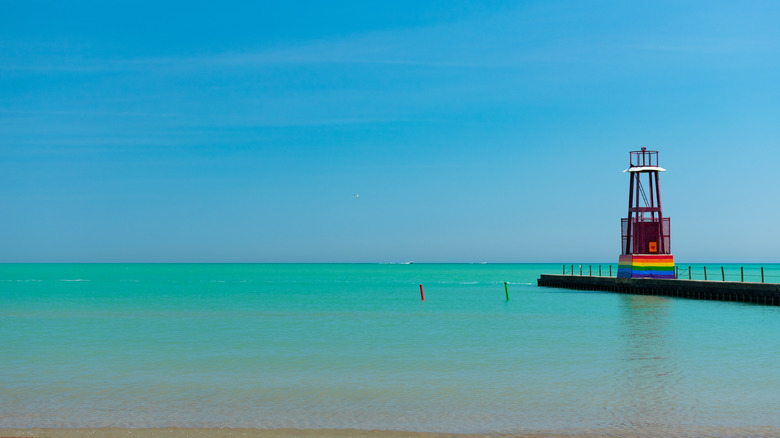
(645, 169)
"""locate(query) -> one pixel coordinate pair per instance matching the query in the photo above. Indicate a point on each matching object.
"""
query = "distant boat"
(407, 263)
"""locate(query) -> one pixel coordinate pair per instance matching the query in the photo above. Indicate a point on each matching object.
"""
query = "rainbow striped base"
(646, 266)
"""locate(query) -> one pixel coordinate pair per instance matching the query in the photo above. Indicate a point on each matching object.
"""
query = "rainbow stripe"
(646, 266)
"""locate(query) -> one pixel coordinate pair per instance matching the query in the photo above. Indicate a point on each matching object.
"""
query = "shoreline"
(217, 432)
(181, 432)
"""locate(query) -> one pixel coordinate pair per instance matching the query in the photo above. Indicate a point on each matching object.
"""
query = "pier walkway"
(746, 292)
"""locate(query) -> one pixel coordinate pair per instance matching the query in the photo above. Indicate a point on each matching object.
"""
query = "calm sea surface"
(353, 346)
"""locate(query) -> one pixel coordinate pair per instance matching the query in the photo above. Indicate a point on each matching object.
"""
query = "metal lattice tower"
(645, 230)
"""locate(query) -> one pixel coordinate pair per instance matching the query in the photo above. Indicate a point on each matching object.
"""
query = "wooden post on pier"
(689, 272)
(572, 269)
(762, 274)
(705, 273)
(599, 270)
(590, 270)
(742, 273)
(610, 270)
(564, 269)
(722, 274)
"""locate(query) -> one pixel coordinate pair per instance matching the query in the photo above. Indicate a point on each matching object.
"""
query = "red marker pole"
(422, 296)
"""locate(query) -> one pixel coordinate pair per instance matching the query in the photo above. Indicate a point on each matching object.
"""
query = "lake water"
(353, 346)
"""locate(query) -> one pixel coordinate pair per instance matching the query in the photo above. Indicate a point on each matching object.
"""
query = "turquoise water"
(353, 346)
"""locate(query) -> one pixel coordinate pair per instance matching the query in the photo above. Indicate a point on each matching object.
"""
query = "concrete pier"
(757, 293)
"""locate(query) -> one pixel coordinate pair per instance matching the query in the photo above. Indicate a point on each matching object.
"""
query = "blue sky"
(473, 131)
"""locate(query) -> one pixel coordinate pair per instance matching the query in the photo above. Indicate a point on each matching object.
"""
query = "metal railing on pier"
(731, 272)
(591, 270)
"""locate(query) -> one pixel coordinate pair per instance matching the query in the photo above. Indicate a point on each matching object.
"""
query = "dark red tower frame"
(645, 230)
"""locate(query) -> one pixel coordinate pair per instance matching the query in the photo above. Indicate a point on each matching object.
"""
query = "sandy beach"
(756, 432)
(231, 432)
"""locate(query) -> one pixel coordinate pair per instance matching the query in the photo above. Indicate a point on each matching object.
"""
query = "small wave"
(76, 279)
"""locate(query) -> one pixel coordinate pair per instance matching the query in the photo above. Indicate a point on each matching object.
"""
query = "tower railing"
(639, 239)
(643, 158)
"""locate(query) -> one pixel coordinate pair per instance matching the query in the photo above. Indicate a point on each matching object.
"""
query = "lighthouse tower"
(646, 251)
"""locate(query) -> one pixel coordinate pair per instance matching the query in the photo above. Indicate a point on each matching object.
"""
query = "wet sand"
(753, 432)
(228, 432)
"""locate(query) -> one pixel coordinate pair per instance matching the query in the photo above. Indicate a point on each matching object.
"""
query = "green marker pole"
(506, 289)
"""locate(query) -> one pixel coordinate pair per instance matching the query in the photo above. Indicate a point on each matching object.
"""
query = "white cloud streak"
(515, 39)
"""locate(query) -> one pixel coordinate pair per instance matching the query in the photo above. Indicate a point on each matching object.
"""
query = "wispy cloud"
(88, 113)
(715, 45)
(517, 38)
(475, 43)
